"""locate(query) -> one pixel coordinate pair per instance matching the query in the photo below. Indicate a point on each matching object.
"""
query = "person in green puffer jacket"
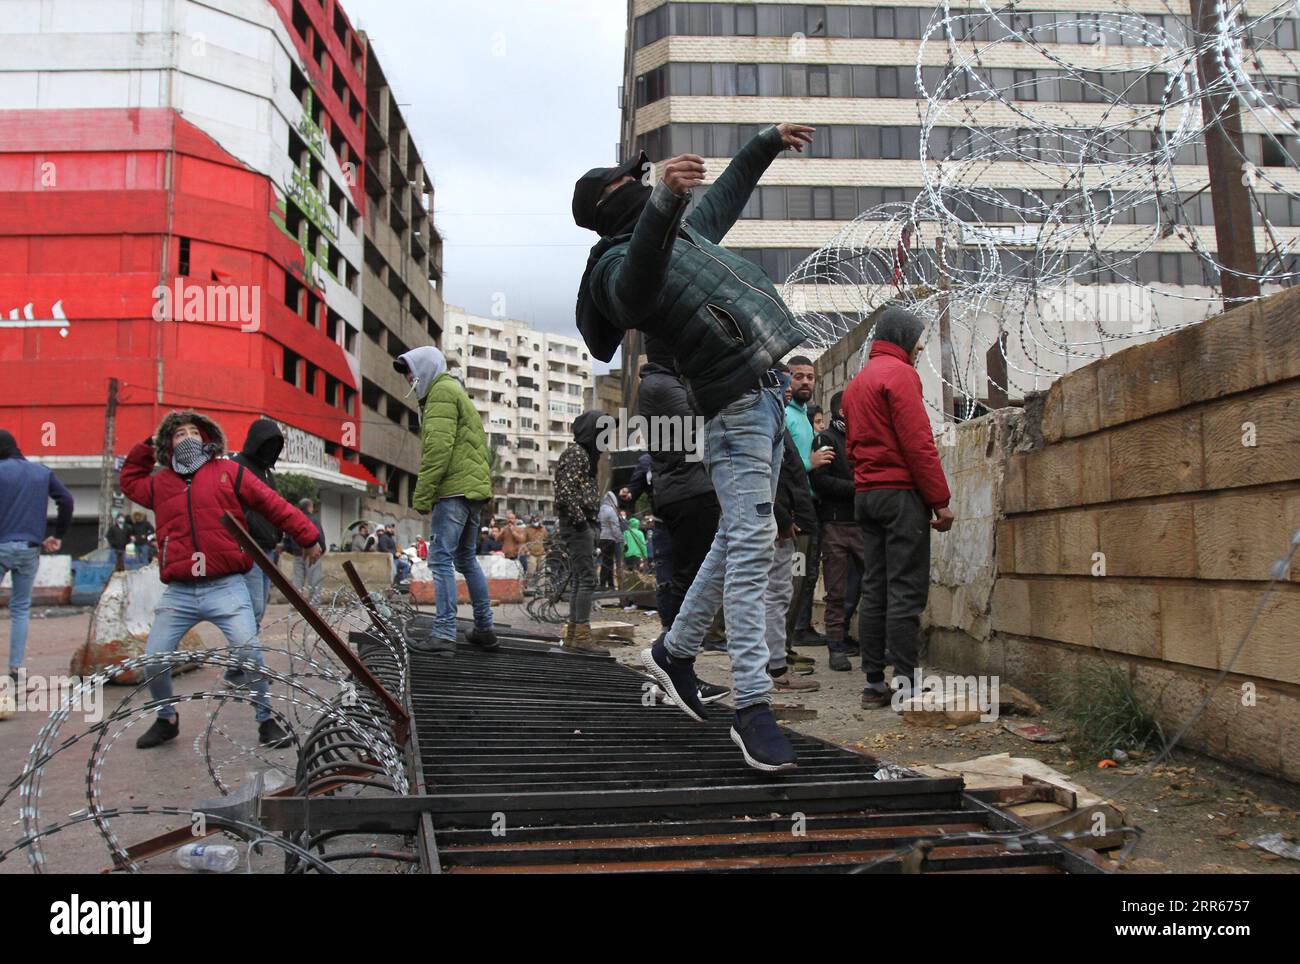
(634, 544)
(455, 483)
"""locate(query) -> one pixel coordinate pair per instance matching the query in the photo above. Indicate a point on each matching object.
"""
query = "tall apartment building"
(185, 207)
(400, 292)
(528, 385)
(704, 77)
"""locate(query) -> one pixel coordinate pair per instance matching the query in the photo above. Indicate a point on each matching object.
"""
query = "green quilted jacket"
(454, 460)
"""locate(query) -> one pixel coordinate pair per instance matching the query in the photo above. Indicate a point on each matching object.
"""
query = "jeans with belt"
(743, 445)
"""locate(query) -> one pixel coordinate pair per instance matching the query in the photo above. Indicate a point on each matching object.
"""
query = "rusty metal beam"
(396, 711)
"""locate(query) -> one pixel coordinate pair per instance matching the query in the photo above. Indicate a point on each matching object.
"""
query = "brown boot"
(566, 637)
(581, 640)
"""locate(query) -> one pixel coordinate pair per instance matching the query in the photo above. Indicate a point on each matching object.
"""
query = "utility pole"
(107, 474)
(1234, 227)
(945, 329)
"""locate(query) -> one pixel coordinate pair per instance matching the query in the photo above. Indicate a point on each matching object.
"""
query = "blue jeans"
(22, 560)
(743, 445)
(224, 602)
(453, 535)
(259, 587)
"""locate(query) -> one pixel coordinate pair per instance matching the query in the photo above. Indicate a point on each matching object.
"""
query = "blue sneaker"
(676, 677)
(765, 747)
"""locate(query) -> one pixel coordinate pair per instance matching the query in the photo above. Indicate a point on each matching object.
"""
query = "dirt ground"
(1196, 814)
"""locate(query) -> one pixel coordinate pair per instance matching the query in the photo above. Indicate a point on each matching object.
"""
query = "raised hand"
(684, 172)
(796, 135)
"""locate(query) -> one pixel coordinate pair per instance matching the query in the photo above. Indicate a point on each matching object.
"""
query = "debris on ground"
(1277, 845)
(1033, 732)
(1040, 796)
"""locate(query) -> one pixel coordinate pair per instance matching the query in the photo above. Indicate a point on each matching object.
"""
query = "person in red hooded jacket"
(900, 487)
(199, 561)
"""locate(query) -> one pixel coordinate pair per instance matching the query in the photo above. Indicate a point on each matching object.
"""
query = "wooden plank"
(1240, 534)
(1157, 457)
(1219, 357)
(1273, 649)
(1150, 539)
(1126, 617)
(1278, 320)
(1009, 606)
(1271, 420)
(1189, 630)
(1137, 383)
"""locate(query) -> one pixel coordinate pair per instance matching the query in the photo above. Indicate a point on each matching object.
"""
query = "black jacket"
(676, 477)
(833, 483)
(118, 536)
(793, 503)
(261, 449)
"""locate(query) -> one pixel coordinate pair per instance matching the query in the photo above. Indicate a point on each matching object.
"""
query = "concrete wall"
(1134, 513)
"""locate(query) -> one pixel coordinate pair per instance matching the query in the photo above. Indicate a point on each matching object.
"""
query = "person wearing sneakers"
(199, 561)
(576, 503)
(900, 487)
(662, 271)
(455, 483)
(794, 514)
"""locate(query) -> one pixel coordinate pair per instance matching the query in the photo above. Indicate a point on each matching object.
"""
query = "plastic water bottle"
(218, 858)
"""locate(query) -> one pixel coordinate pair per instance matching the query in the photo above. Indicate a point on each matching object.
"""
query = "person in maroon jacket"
(199, 561)
(900, 487)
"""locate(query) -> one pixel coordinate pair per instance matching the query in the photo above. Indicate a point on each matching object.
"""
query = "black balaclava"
(837, 411)
(590, 212)
(585, 430)
(899, 327)
(617, 214)
(8, 446)
(658, 351)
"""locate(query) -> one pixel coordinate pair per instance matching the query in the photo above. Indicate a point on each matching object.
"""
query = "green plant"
(294, 486)
(1105, 710)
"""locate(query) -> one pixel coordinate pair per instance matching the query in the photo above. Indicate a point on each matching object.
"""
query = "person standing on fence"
(25, 491)
(576, 504)
(454, 483)
(663, 271)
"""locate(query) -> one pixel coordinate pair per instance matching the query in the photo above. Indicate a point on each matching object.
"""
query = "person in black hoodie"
(841, 535)
(262, 447)
(794, 513)
(682, 493)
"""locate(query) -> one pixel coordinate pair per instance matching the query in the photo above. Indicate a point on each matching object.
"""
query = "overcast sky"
(508, 101)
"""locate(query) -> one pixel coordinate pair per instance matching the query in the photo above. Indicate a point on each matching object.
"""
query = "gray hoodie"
(608, 517)
(426, 364)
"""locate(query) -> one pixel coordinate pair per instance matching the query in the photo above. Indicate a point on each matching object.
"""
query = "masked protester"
(575, 503)
(182, 475)
(26, 489)
(661, 271)
(900, 485)
(454, 483)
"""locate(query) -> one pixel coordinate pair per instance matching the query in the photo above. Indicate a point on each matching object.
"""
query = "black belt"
(770, 379)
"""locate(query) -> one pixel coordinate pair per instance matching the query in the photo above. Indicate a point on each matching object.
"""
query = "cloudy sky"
(509, 101)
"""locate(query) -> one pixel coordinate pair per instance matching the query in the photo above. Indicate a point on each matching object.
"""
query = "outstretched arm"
(727, 197)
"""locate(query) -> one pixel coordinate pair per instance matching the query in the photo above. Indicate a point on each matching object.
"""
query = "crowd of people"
(786, 491)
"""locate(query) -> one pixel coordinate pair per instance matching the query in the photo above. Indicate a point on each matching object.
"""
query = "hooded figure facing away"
(455, 482)
(261, 448)
(575, 504)
(900, 484)
(26, 489)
